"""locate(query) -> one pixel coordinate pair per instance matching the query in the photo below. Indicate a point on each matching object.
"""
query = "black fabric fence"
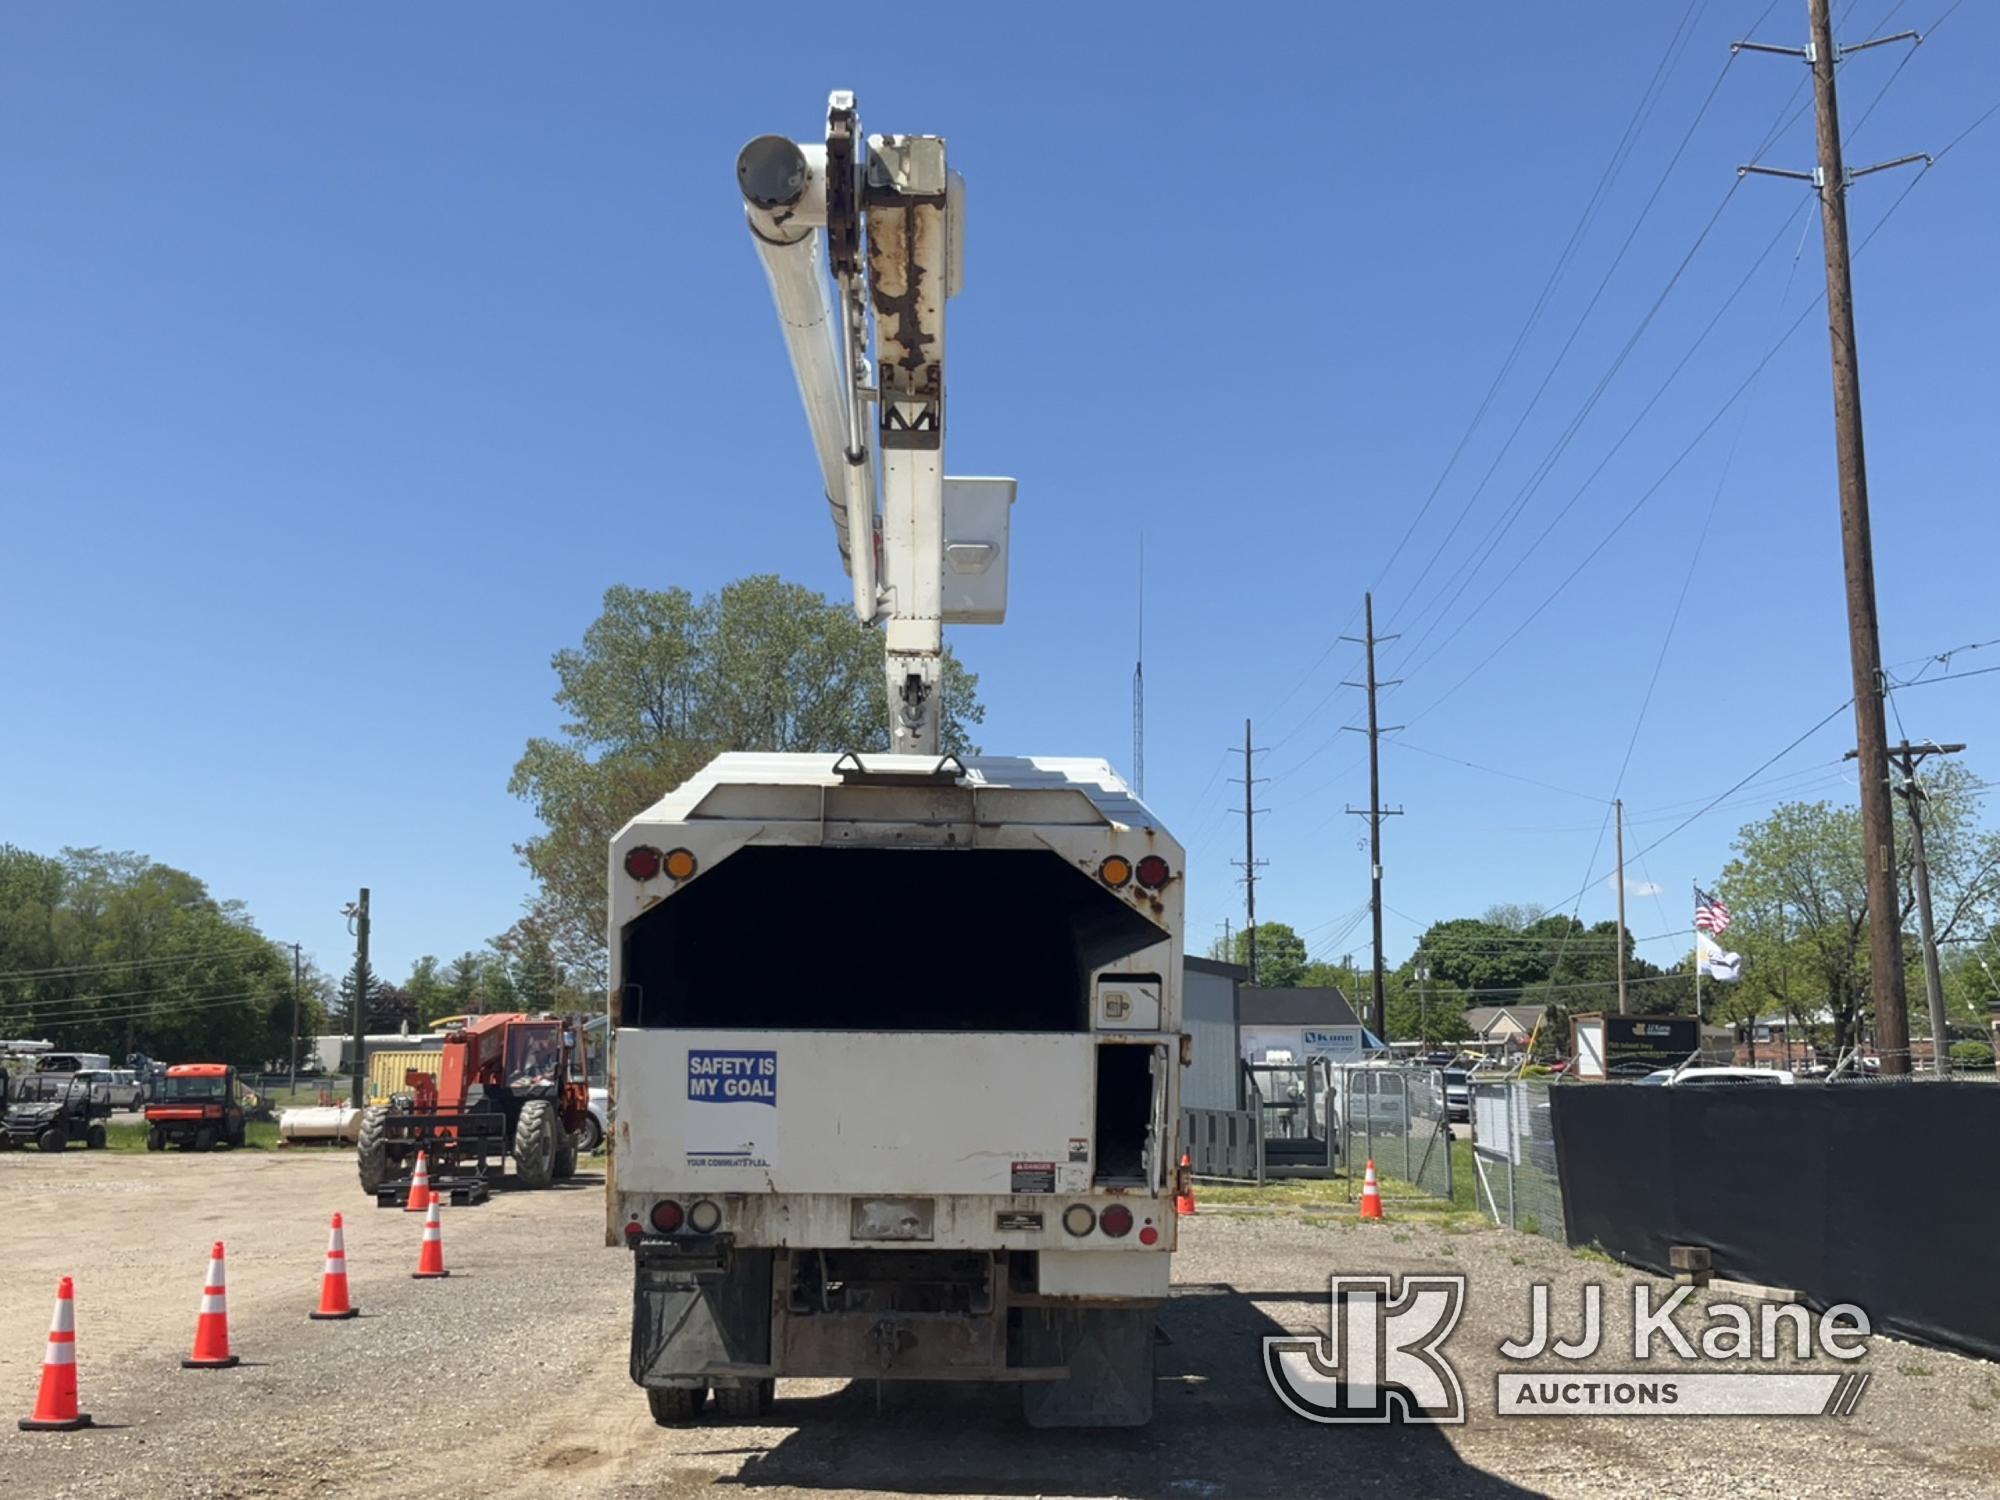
(1883, 1195)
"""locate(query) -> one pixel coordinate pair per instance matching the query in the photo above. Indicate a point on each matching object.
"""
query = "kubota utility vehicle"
(507, 1085)
(52, 1109)
(199, 1107)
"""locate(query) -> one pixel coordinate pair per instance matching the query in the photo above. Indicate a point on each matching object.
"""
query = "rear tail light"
(1153, 872)
(1116, 1221)
(666, 1216)
(1079, 1219)
(705, 1217)
(212, 1111)
(1149, 1236)
(634, 1229)
(642, 863)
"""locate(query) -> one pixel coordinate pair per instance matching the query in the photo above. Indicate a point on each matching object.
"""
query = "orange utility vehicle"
(199, 1106)
(507, 1085)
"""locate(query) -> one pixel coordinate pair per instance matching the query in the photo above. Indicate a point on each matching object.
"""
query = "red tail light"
(1153, 872)
(212, 1111)
(642, 863)
(666, 1216)
(634, 1229)
(1116, 1221)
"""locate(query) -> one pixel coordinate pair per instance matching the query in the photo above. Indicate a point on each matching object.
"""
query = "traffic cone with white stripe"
(420, 1185)
(211, 1329)
(333, 1301)
(55, 1405)
(1371, 1194)
(430, 1260)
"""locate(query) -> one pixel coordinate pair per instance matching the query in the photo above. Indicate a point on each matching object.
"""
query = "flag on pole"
(1710, 915)
(1715, 961)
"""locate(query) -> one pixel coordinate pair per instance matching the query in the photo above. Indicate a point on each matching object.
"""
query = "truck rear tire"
(677, 1405)
(55, 1138)
(535, 1143)
(96, 1138)
(372, 1150)
(745, 1402)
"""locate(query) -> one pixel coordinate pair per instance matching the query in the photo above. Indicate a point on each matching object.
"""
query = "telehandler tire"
(372, 1150)
(535, 1143)
(565, 1156)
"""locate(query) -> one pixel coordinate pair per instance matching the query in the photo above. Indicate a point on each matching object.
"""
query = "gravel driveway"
(509, 1378)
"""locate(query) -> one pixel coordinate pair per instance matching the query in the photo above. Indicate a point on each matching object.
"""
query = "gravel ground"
(509, 1378)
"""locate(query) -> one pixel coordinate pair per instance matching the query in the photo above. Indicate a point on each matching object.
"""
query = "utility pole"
(1871, 733)
(1375, 812)
(296, 967)
(1909, 757)
(1618, 811)
(357, 921)
(1249, 864)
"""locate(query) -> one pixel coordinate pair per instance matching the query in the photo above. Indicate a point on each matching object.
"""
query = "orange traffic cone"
(420, 1186)
(430, 1261)
(55, 1405)
(211, 1329)
(1371, 1194)
(1184, 1199)
(333, 1301)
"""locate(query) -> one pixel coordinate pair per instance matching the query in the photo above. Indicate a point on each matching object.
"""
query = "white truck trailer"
(897, 1048)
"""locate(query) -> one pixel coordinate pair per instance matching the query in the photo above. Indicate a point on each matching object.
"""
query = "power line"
(248, 944)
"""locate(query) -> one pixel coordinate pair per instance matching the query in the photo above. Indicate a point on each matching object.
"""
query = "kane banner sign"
(1382, 1359)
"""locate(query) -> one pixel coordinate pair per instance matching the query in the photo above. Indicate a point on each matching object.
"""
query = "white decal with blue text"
(732, 1107)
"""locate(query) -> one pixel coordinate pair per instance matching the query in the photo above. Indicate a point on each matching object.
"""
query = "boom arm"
(936, 552)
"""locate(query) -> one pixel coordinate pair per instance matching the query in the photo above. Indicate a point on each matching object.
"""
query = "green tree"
(1798, 890)
(110, 952)
(428, 990)
(661, 684)
(1281, 955)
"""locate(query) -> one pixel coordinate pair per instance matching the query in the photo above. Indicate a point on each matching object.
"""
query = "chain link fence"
(1514, 1155)
(1396, 1118)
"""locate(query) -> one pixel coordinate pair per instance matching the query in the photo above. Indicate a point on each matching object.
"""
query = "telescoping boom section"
(896, 1078)
(863, 239)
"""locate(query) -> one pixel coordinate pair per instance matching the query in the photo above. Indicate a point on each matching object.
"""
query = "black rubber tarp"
(1883, 1195)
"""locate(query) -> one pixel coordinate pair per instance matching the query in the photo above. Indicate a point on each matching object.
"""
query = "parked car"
(1458, 1093)
(121, 1086)
(1376, 1102)
(1719, 1077)
(597, 1128)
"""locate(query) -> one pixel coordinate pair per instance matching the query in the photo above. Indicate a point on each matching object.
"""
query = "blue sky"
(350, 353)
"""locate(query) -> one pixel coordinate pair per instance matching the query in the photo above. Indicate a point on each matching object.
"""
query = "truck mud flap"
(1109, 1352)
(693, 1313)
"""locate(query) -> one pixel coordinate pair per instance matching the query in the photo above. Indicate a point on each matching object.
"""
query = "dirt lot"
(509, 1378)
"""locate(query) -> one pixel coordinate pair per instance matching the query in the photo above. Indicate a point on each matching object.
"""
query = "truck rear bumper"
(707, 1311)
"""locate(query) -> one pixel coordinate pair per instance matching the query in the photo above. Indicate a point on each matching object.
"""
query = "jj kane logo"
(1382, 1359)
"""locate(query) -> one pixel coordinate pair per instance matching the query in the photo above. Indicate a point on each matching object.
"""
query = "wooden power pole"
(1871, 734)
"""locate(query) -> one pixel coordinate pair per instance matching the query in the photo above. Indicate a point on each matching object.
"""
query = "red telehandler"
(506, 1085)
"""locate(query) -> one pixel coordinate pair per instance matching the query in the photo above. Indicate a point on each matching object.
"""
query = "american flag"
(1710, 915)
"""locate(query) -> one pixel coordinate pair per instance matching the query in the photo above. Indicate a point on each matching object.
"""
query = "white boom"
(935, 551)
